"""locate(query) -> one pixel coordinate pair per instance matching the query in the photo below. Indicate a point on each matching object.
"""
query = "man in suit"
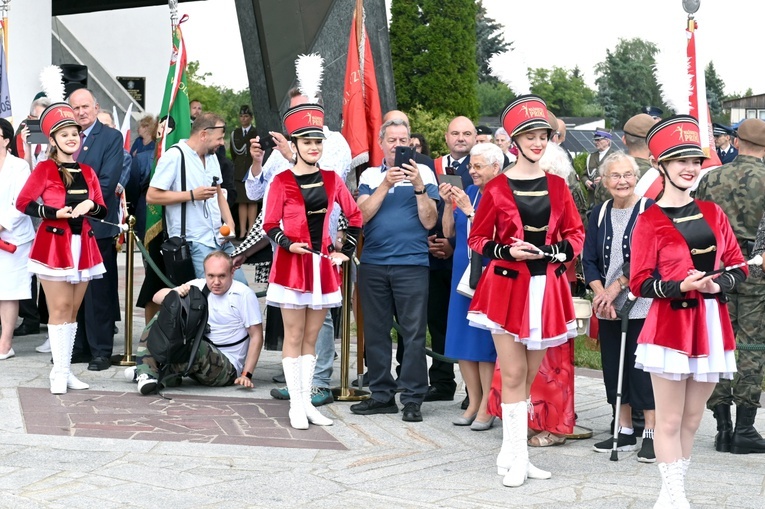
(102, 150)
(240, 154)
(460, 138)
(725, 149)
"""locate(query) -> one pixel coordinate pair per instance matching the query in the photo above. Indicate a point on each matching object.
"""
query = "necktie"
(82, 141)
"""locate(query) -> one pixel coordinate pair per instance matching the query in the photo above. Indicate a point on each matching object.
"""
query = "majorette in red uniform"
(502, 297)
(521, 299)
(687, 341)
(52, 248)
(64, 249)
(311, 280)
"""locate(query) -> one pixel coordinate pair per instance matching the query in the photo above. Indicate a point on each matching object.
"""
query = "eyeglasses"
(616, 177)
(477, 166)
(216, 127)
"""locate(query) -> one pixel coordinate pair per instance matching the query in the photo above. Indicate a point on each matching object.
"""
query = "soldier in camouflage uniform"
(230, 352)
(759, 249)
(739, 189)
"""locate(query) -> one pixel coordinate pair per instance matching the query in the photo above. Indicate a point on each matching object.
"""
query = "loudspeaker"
(75, 76)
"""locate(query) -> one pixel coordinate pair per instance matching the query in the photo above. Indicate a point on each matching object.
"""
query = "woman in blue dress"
(473, 347)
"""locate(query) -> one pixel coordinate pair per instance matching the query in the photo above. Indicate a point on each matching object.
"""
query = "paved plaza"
(221, 448)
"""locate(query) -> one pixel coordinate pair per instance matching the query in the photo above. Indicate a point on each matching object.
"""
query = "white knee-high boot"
(307, 368)
(505, 457)
(672, 494)
(291, 366)
(59, 348)
(72, 382)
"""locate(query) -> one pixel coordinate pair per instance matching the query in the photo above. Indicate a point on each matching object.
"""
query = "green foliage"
(432, 126)
(566, 93)
(492, 98)
(587, 353)
(489, 42)
(580, 163)
(433, 45)
(221, 100)
(626, 81)
(715, 93)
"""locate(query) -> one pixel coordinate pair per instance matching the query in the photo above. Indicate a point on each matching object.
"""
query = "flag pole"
(5, 7)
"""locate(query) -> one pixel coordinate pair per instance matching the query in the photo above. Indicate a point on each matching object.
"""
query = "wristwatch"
(419, 192)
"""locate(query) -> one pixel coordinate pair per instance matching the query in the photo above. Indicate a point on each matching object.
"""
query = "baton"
(757, 260)
(123, 227)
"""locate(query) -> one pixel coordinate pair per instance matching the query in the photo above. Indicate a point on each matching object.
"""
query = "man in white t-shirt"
(230, 351)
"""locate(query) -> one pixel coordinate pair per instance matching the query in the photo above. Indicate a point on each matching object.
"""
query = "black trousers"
(439, 288)
(100, 307)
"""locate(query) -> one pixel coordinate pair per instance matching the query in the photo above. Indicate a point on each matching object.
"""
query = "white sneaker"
(146, 384)
(45, 347)
(130, 374)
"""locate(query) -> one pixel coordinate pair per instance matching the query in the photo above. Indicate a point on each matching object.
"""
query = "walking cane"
(624, 314)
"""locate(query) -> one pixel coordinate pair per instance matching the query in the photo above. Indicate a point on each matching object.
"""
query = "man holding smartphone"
(399, 208)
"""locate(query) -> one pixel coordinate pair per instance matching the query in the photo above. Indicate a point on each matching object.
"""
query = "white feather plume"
(510, 68)
(672, 72)
(309, 70)
(52, 82)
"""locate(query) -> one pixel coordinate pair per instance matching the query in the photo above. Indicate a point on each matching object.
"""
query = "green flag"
(174, 121)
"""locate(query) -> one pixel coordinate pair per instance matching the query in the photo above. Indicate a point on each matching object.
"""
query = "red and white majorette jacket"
(53, 243)
(285, 203)
(658, 247)
(502, 293)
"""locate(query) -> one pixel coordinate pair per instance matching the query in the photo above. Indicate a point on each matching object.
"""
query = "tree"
(489, 42)
(433, 47)
(564, 91)
(626, 81)
(221, 100)
(715, 91)
(493, 97)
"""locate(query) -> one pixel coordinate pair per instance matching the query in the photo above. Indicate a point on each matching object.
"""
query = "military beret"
(639, 125)
(245, 110)
(482, 129)
(601, 134)
(553, 120)
(753, 131)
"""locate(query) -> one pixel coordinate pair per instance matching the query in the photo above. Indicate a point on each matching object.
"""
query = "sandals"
(546, 439)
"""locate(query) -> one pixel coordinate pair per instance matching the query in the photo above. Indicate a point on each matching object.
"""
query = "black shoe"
(465, 403)
(81, 358)
(99, 364)
(355, 383)
(646, 453)
(724, 427)
(26, 329)
(279, 379)
(412, 412)
(745, 437)
(436, 394)
(625, 443)
(372, 406)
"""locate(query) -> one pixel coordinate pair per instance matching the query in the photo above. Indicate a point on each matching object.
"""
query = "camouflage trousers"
(210, 368)
(747, 313)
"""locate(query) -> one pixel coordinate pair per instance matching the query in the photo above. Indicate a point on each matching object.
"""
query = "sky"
(565, 34)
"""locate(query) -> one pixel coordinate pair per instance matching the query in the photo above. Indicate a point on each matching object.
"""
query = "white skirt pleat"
(283, 297)
(674, 365)
(535, 341)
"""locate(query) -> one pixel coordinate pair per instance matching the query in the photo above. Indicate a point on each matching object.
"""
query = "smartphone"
(403, 155)
(36, 137)
(267, 142)
(454, 180)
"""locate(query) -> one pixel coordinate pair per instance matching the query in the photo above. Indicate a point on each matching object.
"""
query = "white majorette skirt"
(674, 365)
(71, 275)
(535, 341)
(283, 297)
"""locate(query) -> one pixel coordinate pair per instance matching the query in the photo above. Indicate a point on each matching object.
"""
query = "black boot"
(724, 427)
(745, 438)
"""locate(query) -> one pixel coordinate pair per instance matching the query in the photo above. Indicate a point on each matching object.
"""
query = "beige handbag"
(583, 312)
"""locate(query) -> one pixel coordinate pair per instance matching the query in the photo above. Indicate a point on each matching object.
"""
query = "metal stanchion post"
(344, 392)
(128, 359)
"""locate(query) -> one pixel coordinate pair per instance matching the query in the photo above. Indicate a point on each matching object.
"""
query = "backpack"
(178, 330)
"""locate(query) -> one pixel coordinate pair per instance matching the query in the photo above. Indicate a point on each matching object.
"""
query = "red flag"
(362, 115)
(698, 99)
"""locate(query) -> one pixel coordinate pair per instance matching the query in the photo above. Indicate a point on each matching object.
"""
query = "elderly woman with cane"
(687, 342)
(606, 260)
(528, 226)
